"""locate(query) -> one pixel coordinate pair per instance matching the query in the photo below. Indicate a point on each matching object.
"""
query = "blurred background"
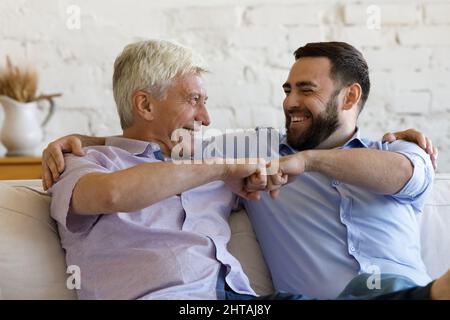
(248, 45)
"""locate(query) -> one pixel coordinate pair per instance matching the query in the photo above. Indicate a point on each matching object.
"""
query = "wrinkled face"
(310, 106)
(184, 104)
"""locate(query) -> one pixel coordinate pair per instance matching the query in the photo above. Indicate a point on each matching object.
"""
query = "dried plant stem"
(19, 83)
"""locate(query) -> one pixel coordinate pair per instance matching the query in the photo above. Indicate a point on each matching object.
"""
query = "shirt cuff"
(420, 179)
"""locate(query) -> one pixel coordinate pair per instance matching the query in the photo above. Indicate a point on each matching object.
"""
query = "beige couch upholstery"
(32, 264)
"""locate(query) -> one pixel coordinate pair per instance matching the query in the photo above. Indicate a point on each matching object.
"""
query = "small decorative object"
(21, 133)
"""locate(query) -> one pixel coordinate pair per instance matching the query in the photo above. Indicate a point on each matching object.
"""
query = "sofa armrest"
(32, 264)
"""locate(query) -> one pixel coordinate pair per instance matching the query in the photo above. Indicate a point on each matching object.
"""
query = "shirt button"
(336, 183)
(352, 249)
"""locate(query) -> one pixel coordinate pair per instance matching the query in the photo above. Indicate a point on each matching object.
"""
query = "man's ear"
(143, 105)
(352, 96)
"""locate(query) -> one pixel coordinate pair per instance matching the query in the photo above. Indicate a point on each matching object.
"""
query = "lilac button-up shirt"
(173, 249)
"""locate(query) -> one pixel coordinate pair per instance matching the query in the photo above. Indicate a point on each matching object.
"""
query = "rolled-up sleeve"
(62, 190)
(420, 183)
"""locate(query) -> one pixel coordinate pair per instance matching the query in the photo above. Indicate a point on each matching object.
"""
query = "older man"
(142, 227)
(137, 225)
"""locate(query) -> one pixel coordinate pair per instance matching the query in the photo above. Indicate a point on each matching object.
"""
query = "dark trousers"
(391, 287)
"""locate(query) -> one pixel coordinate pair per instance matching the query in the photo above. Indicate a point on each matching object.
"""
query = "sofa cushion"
(244, 246)
(32, 264)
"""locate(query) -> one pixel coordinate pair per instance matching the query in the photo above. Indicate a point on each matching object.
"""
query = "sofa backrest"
(435, 228)
(32, 264)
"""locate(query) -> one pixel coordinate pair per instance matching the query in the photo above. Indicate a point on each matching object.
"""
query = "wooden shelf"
(14, 168)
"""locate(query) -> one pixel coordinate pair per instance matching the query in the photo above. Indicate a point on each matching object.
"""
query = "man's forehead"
(312, 69)
(192, 82)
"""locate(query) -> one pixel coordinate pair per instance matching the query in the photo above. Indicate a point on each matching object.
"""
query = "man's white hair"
(151, 66)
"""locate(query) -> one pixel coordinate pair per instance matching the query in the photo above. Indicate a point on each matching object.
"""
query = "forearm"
(382, 172)
(140, 186)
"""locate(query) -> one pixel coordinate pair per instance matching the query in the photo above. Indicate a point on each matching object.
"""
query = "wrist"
(308, 158)
(224, 171)
(220, 169)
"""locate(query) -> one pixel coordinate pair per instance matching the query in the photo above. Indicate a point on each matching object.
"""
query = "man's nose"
(291, 101)
(294, 104)
(203, 116)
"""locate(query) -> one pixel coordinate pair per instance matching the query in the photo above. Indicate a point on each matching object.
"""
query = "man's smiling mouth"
(299, 119)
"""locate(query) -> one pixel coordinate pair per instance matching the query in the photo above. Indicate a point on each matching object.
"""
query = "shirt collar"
(135, 147)
(285, 148)
(354, 142)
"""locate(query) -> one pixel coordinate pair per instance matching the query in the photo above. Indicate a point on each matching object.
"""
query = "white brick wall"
(249, 45)
(437, 13)
(273, 15)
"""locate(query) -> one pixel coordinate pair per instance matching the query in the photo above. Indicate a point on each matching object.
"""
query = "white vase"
(22, 131)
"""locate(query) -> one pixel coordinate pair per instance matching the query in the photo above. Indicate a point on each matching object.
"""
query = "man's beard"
(321, 127)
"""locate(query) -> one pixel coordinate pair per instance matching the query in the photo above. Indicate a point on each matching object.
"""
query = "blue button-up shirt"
(173, 249)
(320, 233)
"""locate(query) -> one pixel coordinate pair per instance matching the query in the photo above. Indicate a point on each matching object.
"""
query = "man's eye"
(286, 92)
(307, 91)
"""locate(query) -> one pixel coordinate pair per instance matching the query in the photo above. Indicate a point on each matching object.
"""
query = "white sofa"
(32, 264)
